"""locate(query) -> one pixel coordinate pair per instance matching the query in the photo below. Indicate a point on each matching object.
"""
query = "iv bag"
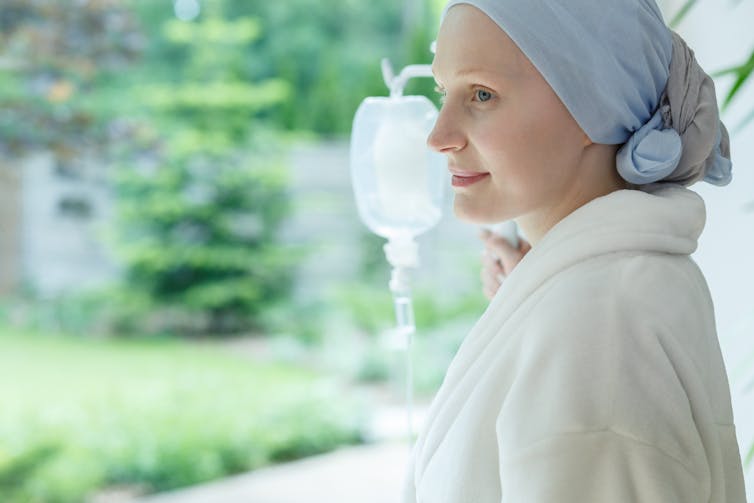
(398, 181)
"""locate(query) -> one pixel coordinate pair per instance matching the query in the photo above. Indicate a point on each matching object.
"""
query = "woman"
(595, 374)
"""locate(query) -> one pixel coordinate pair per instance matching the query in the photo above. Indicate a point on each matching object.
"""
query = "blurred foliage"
(188, 112)
(199, 233)
(21, 467)
(62, 66)
(741, 72)
(329, 52)
(198, 215)
(371, 307)
(153, 415)
(55, 63)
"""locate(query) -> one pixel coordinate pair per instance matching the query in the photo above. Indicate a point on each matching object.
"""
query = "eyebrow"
(467, 71)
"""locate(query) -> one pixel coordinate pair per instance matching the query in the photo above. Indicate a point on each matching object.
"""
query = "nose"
(446, 135)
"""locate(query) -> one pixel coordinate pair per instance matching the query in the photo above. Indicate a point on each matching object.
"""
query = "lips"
(466, 178)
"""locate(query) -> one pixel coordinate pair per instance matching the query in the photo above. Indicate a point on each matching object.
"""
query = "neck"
(604, 180)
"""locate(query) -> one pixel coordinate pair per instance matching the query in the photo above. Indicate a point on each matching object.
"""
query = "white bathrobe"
(594, 376)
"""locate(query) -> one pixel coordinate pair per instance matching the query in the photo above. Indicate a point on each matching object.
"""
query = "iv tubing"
(404, 315)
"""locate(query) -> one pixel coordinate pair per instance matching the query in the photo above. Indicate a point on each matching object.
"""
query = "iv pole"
(399, 186)
(381, 202)
(403, 253)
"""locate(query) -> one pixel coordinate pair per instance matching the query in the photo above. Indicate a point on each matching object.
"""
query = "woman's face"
(512, 146)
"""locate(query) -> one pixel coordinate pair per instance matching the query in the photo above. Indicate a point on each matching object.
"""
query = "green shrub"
(202, 193)
(16, 469)
(199, 235)
(155, 414)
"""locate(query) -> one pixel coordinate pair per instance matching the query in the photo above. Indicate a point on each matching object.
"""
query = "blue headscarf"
(626, 78)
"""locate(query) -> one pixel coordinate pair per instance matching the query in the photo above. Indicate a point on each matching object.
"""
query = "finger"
(499, 245)
(492, 279)
(489, 259)
(489, 292)
(493, 269)
(524, 246)
(508, 255)
(490, 286)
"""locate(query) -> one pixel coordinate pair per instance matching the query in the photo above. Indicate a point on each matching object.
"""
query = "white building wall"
(62, 249)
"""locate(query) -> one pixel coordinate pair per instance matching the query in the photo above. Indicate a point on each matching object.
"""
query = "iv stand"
(402, 252)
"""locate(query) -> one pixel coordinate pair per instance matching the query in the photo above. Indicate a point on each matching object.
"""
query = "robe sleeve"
(596, 467)
(596, 412)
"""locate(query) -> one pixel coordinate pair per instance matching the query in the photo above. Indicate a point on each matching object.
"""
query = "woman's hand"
(498, 260)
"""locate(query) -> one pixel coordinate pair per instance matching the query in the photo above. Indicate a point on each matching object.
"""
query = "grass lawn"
(79, 415)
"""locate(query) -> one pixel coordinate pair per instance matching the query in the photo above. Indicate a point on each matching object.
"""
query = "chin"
(474, 215)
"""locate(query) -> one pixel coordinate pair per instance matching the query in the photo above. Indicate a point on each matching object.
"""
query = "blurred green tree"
(329, 52)
(198, 219)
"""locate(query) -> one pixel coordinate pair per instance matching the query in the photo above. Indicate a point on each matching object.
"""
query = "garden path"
(367, 474)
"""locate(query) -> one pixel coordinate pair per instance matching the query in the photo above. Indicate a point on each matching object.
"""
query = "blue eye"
(483, 95)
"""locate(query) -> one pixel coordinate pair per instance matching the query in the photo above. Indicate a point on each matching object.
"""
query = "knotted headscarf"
(626, 78)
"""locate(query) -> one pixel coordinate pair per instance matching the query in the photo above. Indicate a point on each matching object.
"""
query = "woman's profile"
(595, 374)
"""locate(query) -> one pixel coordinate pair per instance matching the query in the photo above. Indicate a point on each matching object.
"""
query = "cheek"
(518, 140)
(534, 135)
(559, 133)
(530, 149)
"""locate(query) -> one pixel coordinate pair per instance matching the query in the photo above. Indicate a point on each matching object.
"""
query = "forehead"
(470, 43)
